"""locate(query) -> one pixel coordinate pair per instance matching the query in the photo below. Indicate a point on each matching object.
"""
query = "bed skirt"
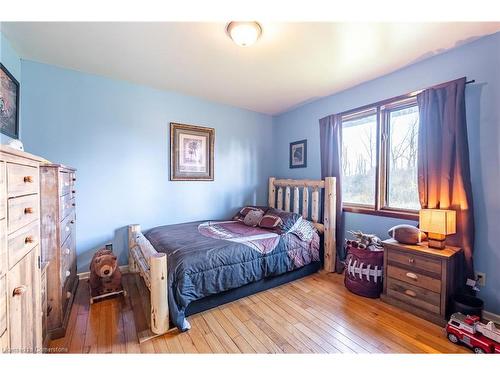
(249, 289)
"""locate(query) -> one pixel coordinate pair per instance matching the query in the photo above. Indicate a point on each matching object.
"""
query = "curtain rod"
(396, 98)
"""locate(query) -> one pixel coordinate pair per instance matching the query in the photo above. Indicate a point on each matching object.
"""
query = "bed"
(190, 267)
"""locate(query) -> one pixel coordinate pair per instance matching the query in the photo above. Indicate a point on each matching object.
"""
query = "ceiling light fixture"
(244, 34)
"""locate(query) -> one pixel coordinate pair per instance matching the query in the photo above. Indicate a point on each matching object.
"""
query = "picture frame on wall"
(191, 152)
(9, 103)
(298, 154)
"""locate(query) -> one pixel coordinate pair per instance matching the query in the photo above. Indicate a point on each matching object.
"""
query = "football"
(407, 234)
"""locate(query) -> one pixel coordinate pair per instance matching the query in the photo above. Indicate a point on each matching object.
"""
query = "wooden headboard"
(308, 205)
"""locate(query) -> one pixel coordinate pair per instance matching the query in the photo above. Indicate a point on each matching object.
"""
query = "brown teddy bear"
(105, 275)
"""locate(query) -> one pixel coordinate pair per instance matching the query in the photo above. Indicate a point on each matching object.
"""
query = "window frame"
(382, 109)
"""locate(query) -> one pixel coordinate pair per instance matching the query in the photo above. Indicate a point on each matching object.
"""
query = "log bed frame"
(151, 266)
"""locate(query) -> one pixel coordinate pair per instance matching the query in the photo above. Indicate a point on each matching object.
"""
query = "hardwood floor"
(315, 314)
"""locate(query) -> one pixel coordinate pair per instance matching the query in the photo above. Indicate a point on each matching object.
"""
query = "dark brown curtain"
(330, 135)
(443, 162)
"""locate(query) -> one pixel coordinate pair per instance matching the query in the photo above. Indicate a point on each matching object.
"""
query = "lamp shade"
(438, 221)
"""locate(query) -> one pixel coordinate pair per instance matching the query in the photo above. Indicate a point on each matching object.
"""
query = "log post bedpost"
(272, 193)
(159, 293)
(330, 224)
(152, 268)
(133, 230)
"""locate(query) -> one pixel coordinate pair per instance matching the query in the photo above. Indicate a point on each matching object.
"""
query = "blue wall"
(10, 59)
(116, 135)
(479, 60)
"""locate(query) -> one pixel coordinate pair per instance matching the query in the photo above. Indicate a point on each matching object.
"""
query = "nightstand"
(420, 279)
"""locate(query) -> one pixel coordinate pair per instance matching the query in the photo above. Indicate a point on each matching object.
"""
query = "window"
(359, 159)
(379, 158)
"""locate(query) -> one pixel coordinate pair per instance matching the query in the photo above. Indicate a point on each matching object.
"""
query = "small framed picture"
(191, 153)
(298, 154)
(9, 103)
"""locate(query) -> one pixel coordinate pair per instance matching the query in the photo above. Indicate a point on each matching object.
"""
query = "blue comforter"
(206, 258)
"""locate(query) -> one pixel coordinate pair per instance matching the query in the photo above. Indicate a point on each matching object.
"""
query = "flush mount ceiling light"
(244, 34)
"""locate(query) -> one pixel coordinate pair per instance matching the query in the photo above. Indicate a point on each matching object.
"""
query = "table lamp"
(438, 224)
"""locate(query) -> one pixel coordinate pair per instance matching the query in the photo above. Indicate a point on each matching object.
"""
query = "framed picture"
(298, 154)
(9, 103)
(191, 153)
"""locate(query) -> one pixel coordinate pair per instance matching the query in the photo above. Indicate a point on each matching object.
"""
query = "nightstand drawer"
(414, 295)
(414, 278)
(414, 261)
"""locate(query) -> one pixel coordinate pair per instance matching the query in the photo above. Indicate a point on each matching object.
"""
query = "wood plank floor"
(315, 314)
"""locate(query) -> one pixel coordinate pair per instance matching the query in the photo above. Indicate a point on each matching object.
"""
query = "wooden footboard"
(145, 261)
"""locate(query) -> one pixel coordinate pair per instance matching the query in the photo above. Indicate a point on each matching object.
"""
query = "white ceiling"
(292, 63)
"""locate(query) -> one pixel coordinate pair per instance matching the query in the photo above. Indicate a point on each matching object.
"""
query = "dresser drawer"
(3, 247)
(414, 295)
(3, 304)
(64, 183)
(22, 180)
(68, 257)
(3, 191)
(414, 278)
(67, 226)
(66, 205)
(415, 262)
(22, 211)
(72, 178)
(22, 241)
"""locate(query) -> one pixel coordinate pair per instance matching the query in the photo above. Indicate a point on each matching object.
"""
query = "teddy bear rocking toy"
(105, 276)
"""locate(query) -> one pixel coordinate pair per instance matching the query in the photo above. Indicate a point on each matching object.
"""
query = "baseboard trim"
(86, 275)
(490, 316)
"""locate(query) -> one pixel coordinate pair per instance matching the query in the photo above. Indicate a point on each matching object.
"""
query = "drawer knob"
(28, 179)
(68, 273)
(67, 228)
(73, 179)
(20, 290)
(73, 191)
(411, 260)
(72, 222)
(67, 251)
(73, 204)
(29, 239)
(68, 295)
(28, 210)
(410, 293)
(411, 275)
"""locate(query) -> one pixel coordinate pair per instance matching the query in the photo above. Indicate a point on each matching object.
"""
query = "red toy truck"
(482, 338)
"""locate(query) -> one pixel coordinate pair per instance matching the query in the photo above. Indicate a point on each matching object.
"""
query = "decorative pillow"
(240, 216)
(253, 217)
(407, 234)
(288, 220)
(304, 229)
(270, 221)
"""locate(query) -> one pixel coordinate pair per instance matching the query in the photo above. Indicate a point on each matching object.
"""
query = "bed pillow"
(253, 217)
(240, 215)
(279, 220)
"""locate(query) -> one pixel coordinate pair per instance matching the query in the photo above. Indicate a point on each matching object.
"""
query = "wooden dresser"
(58, 218)
(420, 279)
(20, 277)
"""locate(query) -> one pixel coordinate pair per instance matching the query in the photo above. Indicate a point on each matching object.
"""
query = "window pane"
(359, 160)
(402, 159)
